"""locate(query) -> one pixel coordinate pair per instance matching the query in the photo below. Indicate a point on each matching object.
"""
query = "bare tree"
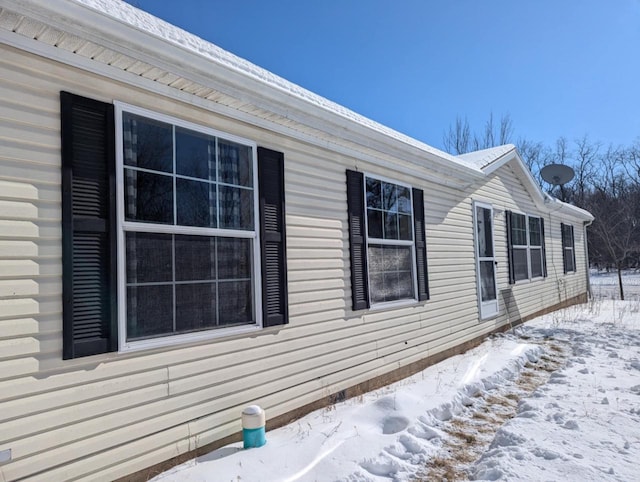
(459, 139)
(614, 236)
(535, 155)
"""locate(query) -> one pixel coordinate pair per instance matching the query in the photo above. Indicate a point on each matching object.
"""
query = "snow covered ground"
(556, 399)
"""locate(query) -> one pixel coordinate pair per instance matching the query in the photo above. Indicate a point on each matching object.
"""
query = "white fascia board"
(127, 39)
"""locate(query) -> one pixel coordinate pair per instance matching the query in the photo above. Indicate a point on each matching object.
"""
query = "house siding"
(106, 416)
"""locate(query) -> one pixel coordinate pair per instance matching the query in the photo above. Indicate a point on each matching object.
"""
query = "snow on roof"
(481, 159)
(145, 22)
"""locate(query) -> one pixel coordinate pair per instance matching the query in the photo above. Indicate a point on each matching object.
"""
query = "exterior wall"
(107, 416)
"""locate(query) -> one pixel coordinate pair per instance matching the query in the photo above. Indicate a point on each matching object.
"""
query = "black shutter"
(275, 307)
(357, 241)
(512, 275)
(544, 249)
(88, 227)
(420, 244)
(563, 229)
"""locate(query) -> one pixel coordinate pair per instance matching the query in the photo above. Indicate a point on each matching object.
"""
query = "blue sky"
(557, 67)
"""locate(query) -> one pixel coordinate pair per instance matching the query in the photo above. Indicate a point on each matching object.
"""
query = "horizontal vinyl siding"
(106, 416)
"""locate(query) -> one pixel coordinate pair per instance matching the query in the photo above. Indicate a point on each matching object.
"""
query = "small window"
(568, 248)
(526, 246)
(389, 241)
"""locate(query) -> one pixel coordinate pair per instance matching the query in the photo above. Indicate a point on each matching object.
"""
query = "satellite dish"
(557, 174)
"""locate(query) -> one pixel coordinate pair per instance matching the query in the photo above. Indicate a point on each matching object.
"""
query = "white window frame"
(124, 226)
(528, 247)
(568, 250)
(536, 247)
(391, 242)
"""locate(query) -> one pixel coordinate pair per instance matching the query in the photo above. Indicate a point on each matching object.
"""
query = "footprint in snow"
(394, 424)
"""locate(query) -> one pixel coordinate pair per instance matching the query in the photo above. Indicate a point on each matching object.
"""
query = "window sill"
(390, 305)
(173, 340)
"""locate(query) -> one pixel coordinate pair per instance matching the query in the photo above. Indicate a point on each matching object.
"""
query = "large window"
(568, 248)
(387, 241)
(171, 232)
(526, 247)
(188, 227)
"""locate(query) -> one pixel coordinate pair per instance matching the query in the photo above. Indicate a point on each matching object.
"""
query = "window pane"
(389, 197)
(148, 197)
(536, 262)
(196, 203)
(484, 232)
(195, 306)
(195, 154)
(391, 274)
(234, 258)
(390, 225)
(236, 208)
(518, 230)
(376, 288)
(405, 286)
(520, 264)
(568, 260)
(374, 195)
(405, 228)
(149, 311)
(147, 143)
(535, 234)
(149, 257)
(404, 200)
(374, 223)
(235, 163)
(195, 258)
(235, 302)
(487, 281)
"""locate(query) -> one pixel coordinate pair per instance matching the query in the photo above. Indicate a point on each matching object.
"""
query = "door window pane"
(484, 232)
(487, 281)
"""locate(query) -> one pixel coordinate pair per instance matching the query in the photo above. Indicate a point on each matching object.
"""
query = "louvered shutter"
(273, 237)
(563, 233)
(512, 275)
(544, 249)
(357, 241)
(88, 227)
(420, 244)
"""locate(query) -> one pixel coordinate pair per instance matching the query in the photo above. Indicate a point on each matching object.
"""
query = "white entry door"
(485, 260)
